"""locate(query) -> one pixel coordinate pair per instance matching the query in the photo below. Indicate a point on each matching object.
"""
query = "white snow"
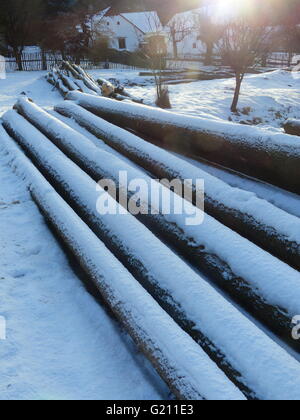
(33, 84)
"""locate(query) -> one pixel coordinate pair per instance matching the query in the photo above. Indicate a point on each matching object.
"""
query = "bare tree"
(156, 51)
(241, 48)
(179, 28)
(209, 33)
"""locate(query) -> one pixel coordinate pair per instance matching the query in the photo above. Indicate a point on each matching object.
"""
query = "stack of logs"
(71, 77)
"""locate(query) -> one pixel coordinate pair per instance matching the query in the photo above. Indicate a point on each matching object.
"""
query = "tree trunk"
(44, 60)
(290, 58)
(209, 53)
(18, 57)
(239, 78)
(175, 48)
(264, 60)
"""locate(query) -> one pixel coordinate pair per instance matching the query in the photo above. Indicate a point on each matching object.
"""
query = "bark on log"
(187, 370)
(292, 127)
(235, 332)
(274, 158)
(220, 199)
(193, 243)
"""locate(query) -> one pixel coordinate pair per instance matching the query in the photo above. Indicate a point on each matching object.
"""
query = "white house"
(124, 35)
(129, 32)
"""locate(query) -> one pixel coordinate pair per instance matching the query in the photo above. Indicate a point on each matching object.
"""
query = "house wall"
(119, 27)
(135, 32)
(190, 46)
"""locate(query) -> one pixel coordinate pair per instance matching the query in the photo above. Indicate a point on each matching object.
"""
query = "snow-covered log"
(226, 333)
(292, 127)
(258, 220)
(68, 67)
(272, 157)
(67, 81)
(185, 367)
(179, 360)
(71, 77)
(263, 284)
(55, 81)
(69, 71)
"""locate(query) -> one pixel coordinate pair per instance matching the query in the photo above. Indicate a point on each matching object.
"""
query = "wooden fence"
(37, 62)
(276, 59)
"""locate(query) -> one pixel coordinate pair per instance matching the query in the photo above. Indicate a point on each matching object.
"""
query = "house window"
(195, 45)
(122, 43)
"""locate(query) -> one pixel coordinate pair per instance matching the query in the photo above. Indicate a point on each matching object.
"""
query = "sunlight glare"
(227, 9)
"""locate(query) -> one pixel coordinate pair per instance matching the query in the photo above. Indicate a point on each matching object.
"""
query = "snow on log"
(179, 360)
(292, 127)
(225, 331)
(263, 284)
(272, 157)
(264, 224)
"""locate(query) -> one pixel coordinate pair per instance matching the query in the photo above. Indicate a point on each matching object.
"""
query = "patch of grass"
(246, 110)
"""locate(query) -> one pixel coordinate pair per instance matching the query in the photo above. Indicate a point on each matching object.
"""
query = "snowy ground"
(31, 83)
(267, 99)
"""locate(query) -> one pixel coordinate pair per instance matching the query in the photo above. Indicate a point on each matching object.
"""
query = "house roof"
(276, 11)
(166, 9)
(146, 22)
